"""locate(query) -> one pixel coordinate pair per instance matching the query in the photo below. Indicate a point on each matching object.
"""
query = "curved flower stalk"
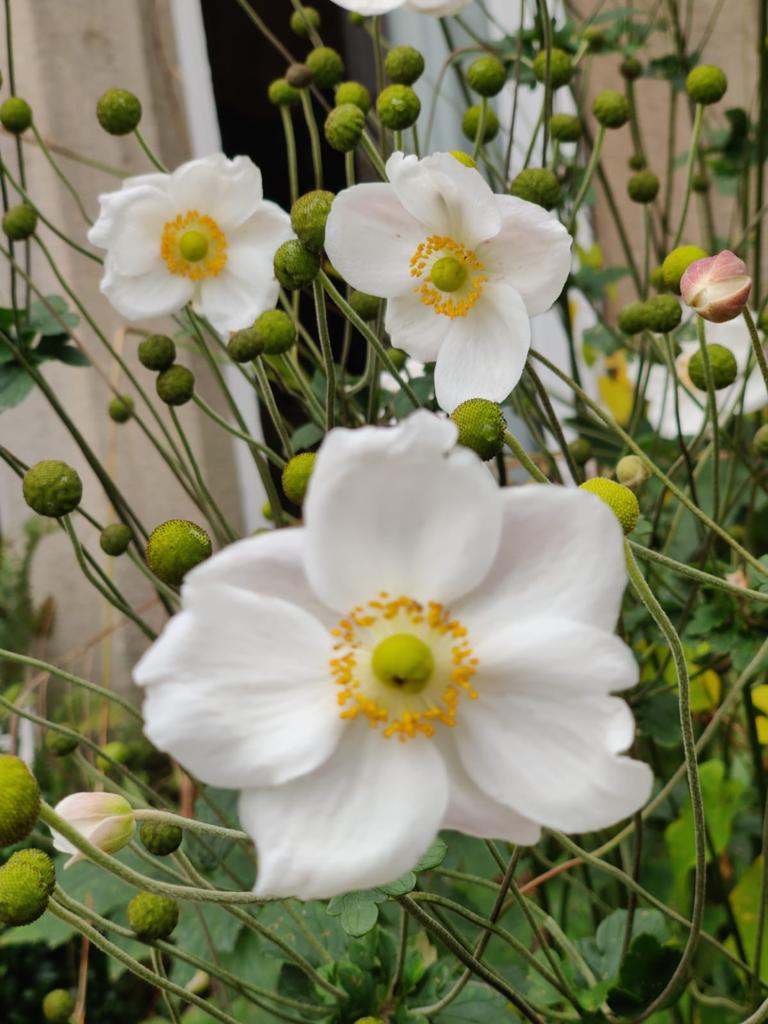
(203, 234)
(428, 652)
(437, 8)
(462, 269)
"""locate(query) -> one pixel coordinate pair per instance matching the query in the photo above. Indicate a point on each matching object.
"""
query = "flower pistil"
(193, 245)
(450, 275)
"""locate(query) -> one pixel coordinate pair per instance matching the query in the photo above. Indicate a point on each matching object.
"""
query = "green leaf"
(658, 718)
(434, 856)
(603, 952)
(476, 1005)
(357, 911)
(53, 316)
(645, 972)
(306, 436)
(400, 886)
(15, 385)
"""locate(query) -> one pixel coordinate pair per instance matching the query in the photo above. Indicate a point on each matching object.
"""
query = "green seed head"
(760, 440)
(481, 427)
(326, 66)
(398, 358)
(151, 916)
(157, 352)
(631, 471)
(52, 488)
(631, 68)
(617, 497)
(41, 862)
(175, 547)
(580, 451)
(366, 306)
(398, 107)
(404, 65)
(309, 215)
(298, 76)
(245, 345)
(20, 222)
(561, 67)
(677, 262)
(537, 185)
(24, 893)
(636, 162)
(296, 476)
(59, 745)
(594, 38)
(664, 313)
(565, 127)
(634, 318)
(303, 21)
(276, 331)
(611, 108)
(706, 84)
(404, 662)
(114, 539)
(193, 246)
(282, 94)
(118, 111)
(487, 76)
(295, 265)
(722, 363)
(470, 124)
(15, 115)
(58, 1006)
(120, 408)
(160, 838)
(448, 274)
(643, 187)
(355, 93)
(176, 385)
(343, 127)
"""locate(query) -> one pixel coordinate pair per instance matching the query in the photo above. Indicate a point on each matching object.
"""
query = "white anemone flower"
(438, 8)
(429, 651)
(660, 394)
(462, 269)
(203, 234)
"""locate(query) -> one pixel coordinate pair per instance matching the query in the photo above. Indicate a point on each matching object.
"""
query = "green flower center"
(448, 274)
(193, 246)
(404, 662)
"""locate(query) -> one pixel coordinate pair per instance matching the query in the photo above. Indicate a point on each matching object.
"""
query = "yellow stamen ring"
(450, 274)
(193, 245)
(402, 665)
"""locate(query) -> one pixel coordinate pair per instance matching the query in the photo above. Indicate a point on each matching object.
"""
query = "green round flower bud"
(481, 427)
(355, 18)
(677, 262)
(537, 185)
(398, 107)
(594, 38)
(366, 306)
(398, 358)
(664, 313)
(636, 162)
(176, 385)
(631, 68)
(706, 84)
(470, 124)
(296, 476)
(326, 66)
(115, 751)
(611, 108)
(295, 265)
(643, 187)
(464, 158)
(618, 498)
(580, 451)
(151, 916)
(20, 222)
(58, 1006)
(52, 488)
(120, 408)
(118, 111)
(245, 345)
(404, 65)
(60, 745)
(565, 127)
(632, 471)
(343, 127)
(487, 76)
(762, 320)
(700, 181)
(634, 318)
(760, 440)
(355, 93)
(282, 94)
(276, 330)
(157, 352)
(23, 894)
(561, 67)
(40, 861)
(722, 363)
(308, 218)
(175, 547)
(160, 838)
(657, 279)
(299, 76)
(15, 115)
(369, 1020)
(303, 21)
(114, 539)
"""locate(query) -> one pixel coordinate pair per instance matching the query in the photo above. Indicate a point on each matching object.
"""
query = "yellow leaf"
(705, 691)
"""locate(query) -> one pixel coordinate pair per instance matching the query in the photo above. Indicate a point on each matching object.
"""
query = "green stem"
(314, 136)
(325, 346)
(150, 155)
(589, 173)
(757, 346)
(61, 175)
(273, 457)
(698, 121)
(290, 150)
(524, 458)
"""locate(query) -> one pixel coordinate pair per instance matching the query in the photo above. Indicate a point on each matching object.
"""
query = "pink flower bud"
(104, 819)
(717, 287)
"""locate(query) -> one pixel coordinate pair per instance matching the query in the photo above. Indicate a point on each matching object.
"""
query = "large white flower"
(428, 652)
(203, 234)
(439, 8)
(660, 393)
(462, 269)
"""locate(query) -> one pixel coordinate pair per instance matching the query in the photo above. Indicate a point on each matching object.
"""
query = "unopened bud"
(717, 287)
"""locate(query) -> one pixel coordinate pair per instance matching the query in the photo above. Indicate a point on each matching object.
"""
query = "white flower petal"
(531, 252)
(484, 353)
(261, 235)
(447, 197)
(370, 239)
(437, 8)
(130, 224)
(561, 554)
(415, 327)
(230, 303)
(369, 7)
(239, 689)
(228, 191)
(361, 820)
(394, 510)
(143, 296)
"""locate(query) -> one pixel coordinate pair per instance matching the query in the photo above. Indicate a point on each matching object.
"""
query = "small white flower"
(428, 652)
(660, 393)
(438, 8)
(462, 269)
(203, 234)
(104, 819)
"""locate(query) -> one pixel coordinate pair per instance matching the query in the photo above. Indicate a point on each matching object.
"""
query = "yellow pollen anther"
(193, 245)
(450, 275)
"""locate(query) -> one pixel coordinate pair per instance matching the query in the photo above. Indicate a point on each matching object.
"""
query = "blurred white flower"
(428, 652)
(439, 8)
(203, 234)
(104, 819)
(462, 269)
